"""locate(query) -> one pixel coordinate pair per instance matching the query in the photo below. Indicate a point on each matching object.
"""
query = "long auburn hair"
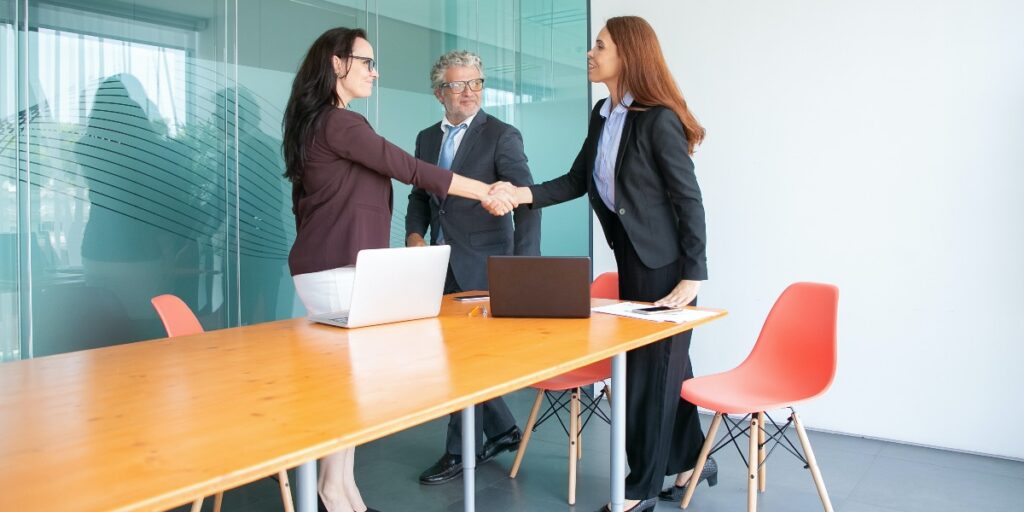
(314, 93)
(645, 74)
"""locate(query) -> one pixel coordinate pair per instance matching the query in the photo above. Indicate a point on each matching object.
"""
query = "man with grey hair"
(472, 143)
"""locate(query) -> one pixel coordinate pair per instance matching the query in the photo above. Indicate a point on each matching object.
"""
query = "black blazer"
(656, 194)
(491, 150)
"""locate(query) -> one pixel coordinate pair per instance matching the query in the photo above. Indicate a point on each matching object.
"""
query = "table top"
(156, 424)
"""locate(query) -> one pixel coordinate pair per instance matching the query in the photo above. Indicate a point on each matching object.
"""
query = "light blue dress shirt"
(608, 148)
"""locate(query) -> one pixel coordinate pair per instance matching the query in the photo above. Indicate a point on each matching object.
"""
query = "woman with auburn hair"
(635, 166)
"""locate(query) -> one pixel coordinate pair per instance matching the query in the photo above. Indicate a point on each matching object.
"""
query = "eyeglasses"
(370, 63)
(457, 87)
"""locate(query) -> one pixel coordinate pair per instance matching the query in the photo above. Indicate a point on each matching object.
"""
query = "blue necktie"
(445, 162)
(448, 147)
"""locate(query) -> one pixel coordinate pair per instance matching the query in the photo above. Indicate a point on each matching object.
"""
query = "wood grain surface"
(157, 424)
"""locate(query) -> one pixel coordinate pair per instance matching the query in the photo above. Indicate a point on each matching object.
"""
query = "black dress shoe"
(506, 442)
(444, 470)
(647, 504)
(676, 492)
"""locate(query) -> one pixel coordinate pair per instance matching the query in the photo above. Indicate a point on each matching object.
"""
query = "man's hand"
(415, 240)
(681, 295)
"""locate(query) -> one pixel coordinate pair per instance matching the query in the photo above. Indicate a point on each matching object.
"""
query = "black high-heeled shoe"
(676, 492)
(642, 506)
(320, 507)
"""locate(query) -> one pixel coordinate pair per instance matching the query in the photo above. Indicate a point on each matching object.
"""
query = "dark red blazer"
(343, 203)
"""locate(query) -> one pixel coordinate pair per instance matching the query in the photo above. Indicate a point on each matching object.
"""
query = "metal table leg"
(469, 459)
(618, 473)
(305, 487)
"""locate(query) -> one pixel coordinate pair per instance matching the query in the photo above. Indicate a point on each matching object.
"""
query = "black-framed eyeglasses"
(370, 63)
(457, 87)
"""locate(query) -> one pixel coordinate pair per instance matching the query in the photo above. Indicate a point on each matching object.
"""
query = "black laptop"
(539, 286)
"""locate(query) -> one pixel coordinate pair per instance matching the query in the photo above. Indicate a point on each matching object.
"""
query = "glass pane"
(9, 296)
(534, 56)
(127, 172)
(554, 107)
(267, 60)
(147, 138)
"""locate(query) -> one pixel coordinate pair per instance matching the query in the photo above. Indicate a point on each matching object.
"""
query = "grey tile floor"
(862, 475)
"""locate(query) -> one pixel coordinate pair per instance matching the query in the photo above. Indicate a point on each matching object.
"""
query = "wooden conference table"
(157, 424)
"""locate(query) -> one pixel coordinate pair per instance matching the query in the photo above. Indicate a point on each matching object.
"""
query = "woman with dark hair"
(635, 165)
(341, 173)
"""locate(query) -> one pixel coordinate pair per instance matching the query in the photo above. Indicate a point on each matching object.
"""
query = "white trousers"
(329, 291)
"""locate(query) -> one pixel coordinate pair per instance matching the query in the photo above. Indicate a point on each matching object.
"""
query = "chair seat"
(585, 376)
(743, 392)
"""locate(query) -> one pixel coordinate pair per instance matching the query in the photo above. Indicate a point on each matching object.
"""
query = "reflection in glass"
(121, 250)
(120, 207)
(265, 224)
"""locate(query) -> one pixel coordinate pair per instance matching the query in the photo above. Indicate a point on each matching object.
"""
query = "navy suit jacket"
(490, 151)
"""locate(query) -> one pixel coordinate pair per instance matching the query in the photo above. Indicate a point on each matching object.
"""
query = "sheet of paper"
(677, 316)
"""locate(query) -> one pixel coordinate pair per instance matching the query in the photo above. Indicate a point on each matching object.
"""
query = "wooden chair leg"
(218, 501)
(579, 431)
(813, 464)
(286, 491)
(761, 455)
(574, 429)
(579, 441)
(607, 392)
(701, 459)
(526, 434)
(752, 464)
(197, 505)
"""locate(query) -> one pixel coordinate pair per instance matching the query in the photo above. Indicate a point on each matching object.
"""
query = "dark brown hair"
(314, 93)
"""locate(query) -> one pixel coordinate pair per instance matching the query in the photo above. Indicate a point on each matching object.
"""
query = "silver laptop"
(393, 285)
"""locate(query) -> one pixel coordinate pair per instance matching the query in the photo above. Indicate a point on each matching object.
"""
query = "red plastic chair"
(580, 402)
(793, 360)
(179, 320)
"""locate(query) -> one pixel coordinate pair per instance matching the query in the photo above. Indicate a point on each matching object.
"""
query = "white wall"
(879, 146)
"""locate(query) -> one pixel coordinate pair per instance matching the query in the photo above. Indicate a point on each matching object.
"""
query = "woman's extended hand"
(499, 202)
(506, 191)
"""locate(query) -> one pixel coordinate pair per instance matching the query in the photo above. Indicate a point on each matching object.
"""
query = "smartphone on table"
(653, 310)
(472, 298)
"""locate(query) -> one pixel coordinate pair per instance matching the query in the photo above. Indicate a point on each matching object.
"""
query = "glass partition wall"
(140, 146)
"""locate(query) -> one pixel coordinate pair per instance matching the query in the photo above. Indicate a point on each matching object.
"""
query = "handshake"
(503, 197)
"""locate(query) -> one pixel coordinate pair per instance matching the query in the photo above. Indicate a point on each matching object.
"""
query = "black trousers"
(663, 434)
(493, 417)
